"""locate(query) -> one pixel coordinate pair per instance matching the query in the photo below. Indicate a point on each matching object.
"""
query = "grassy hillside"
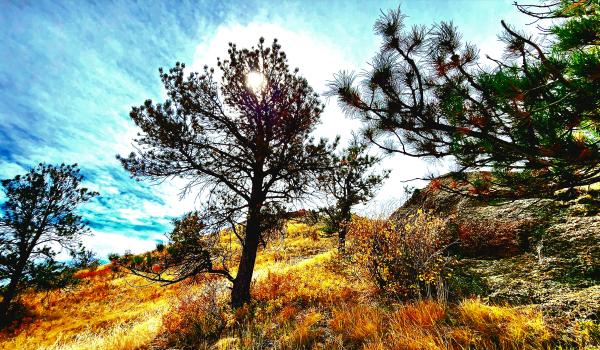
(306, 296)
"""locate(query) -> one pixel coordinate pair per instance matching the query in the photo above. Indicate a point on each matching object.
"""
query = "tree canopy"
(532, 117)
(349, 181)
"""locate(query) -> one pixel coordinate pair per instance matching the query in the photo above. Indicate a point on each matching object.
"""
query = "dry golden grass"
(356, 323)
(315, 304)
(133, 334)
(112, 312)
(521, 328)
(306, 297)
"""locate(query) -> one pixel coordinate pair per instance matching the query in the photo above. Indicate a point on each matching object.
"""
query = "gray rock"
(558, 266)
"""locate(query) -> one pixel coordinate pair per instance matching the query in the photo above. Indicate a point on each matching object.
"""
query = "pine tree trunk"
(342, 238)
(347, 216)
(240, 293)
(7, 298)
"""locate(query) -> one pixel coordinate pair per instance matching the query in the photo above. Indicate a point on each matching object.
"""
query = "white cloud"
(106, 243)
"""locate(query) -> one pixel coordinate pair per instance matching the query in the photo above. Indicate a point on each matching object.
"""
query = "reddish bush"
(93, 273)
(197, 316)
(434, 185)
(492, 238)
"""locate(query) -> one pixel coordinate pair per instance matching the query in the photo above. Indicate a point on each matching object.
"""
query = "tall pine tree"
(243, 142)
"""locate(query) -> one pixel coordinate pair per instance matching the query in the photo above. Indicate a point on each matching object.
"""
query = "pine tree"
(242, 142)
(39, 213)
(348, 182)
(533, 118)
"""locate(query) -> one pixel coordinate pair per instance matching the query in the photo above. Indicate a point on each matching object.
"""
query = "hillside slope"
(307, 296)
(116, 310)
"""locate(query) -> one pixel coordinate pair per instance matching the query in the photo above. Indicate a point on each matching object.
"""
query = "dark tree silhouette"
(348, 182)
(532, 117)
(39, 213)
(243, 142)
(193, 248)
(84, 259)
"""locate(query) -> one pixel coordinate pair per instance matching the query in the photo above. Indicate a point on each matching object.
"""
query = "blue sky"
(71, 70)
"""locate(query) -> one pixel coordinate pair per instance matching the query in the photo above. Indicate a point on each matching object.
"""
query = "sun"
(255, 81)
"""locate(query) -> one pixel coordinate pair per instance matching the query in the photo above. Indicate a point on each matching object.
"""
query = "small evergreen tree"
(533, 119)
(39, 213)
(350, 181)
(51, 275)
(84, 259)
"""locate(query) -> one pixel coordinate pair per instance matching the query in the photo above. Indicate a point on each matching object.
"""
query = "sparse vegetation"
(311, 298)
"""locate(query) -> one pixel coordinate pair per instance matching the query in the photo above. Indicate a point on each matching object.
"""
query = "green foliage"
(464, 284)
(350, 180)
(533, 119)
(51, 275)
(137, 260)
(40, 209)
(84, 259)
(192, 249)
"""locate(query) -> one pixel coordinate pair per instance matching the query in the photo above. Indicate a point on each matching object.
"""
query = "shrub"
(300, 229)
(278, 290)
(199, 316)
(493, 238)
(88, 273)
(405, 259)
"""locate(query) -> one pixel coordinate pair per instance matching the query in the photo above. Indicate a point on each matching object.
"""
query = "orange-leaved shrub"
(88, 273)
(199, 315)
(301, 290)
(405, 259)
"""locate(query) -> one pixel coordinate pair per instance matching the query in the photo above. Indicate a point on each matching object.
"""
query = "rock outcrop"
(529, 251)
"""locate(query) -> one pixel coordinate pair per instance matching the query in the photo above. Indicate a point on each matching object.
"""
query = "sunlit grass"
(305, 296)
(132, 334)
(101, 306)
